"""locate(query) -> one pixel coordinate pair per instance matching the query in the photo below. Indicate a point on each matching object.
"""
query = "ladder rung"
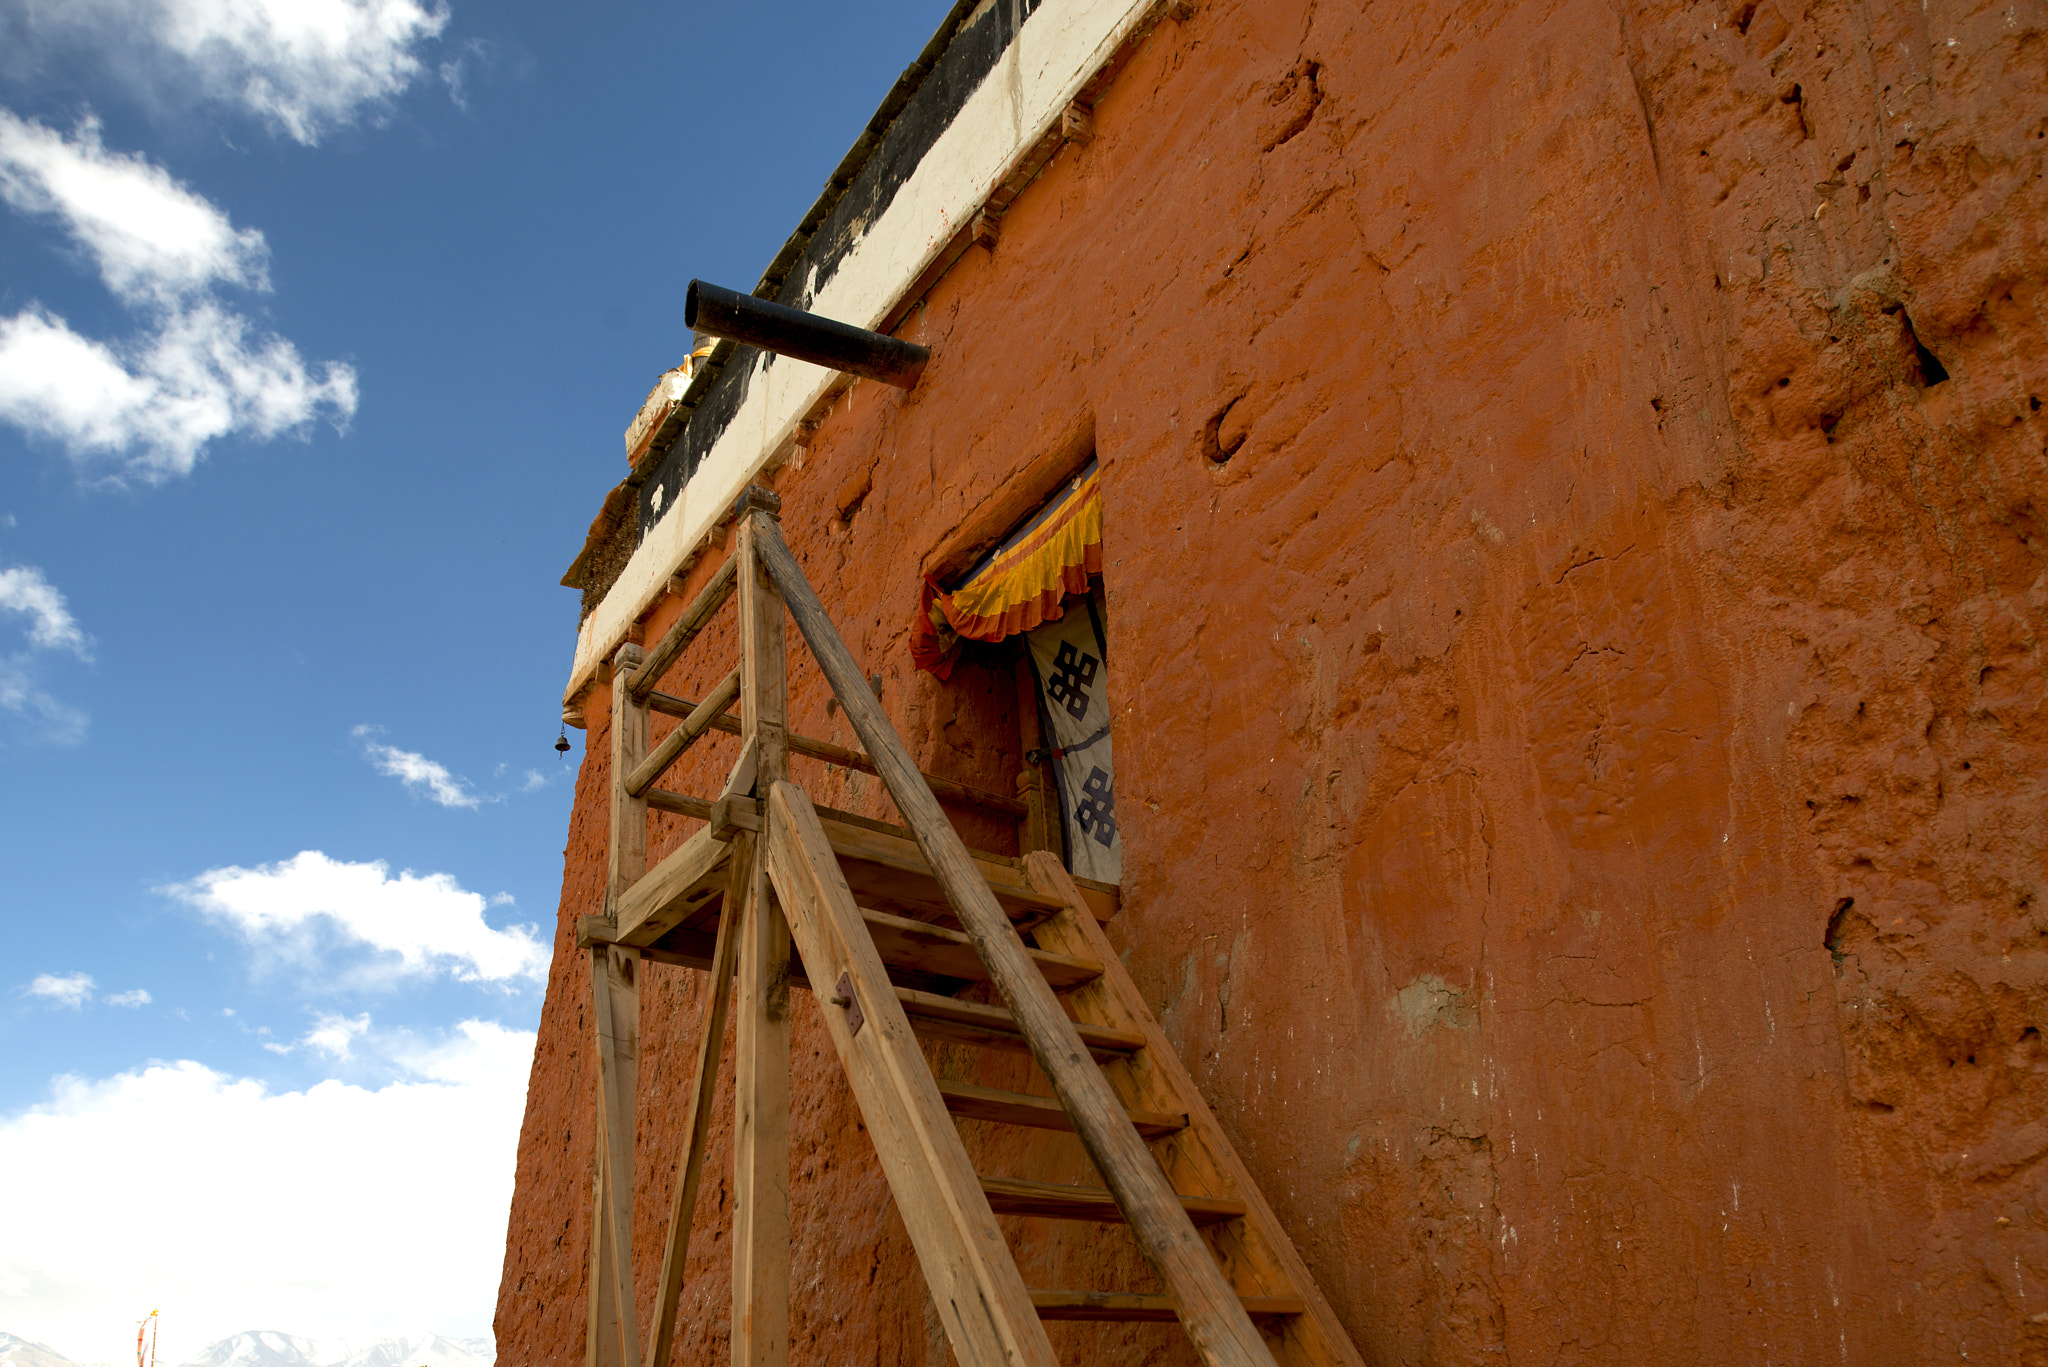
(950, 954)
(888, 870)
(1039, 1112)
(993, 1027)
(1014, 1196)
(1142, 1305)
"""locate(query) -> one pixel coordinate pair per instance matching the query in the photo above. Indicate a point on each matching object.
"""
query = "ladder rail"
(1210, 1310)
(975, 1285)
(1200, 1157)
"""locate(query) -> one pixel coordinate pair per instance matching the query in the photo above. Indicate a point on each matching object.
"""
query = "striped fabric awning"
(1019, 584)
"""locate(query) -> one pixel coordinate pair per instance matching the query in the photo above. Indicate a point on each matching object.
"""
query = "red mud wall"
(1574, 486)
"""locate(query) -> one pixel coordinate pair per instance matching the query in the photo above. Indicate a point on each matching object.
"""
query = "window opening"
(1042, 584)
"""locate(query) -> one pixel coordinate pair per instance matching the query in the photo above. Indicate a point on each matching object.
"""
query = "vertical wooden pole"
(615, 1023)
(615, 1007)
(760, 1255)
(629, 814)
(603, 1326)
(703, 1095)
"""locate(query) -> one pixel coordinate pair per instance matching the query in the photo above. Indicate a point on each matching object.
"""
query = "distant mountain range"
(268, 1348)
(16, 1352)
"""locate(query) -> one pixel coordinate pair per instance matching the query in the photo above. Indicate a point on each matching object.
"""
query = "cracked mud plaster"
(1591, 726)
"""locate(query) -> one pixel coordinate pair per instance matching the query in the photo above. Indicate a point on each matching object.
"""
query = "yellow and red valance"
(1021, 583)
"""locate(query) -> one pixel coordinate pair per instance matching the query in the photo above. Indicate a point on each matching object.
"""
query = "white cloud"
(418, 773)
(68, 989)
(58, 722)
(304, 908)
(305, 67)
(338, 1210)
(198, 371)
(152, 238)
(51, 625)
(335, 1035)
(136, 997)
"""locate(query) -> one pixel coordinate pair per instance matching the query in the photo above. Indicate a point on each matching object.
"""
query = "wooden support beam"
(683, 737)
(628, 853)
(1077, 124)
(681, 804)
(681, 885)
(703, 1094)
(975, 1287)
(846, 758)
(760, 1253)
(615, 1014)
(601, 1328)
(694, 619)
(1221, 1332)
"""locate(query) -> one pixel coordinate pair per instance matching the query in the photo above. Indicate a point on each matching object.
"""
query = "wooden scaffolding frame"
(774, 892)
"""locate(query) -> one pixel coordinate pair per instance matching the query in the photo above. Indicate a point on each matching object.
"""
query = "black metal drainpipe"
(807, 337)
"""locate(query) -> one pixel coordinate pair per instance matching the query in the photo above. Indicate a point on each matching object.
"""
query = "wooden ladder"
(883, 926)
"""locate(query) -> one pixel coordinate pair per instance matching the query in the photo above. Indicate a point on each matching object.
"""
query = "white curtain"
(1073, 695)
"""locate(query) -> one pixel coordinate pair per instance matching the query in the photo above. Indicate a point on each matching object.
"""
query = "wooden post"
(615, 1011)
(601, 1336)
(615, 1023)
(760, 1254)
(629, 813)
(703, 1096)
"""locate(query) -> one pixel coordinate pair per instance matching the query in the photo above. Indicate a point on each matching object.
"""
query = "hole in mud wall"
(1214, 438)
(1796, 97)
(1923, 365)
(1833, 939)
(1743, 18)
(1928, 371)
(1932, 371)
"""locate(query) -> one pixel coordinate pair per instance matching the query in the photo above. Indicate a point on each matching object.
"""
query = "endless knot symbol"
(1095, 812)
(1072, 673)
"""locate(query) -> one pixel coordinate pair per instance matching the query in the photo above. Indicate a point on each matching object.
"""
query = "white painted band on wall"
(1053, 56)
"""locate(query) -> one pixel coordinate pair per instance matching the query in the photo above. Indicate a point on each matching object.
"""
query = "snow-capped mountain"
(19, 1352)
(268, 1348)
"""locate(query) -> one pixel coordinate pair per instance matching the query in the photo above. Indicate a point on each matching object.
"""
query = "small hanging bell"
(562, 741)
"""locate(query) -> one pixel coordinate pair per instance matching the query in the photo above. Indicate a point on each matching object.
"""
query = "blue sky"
(320, 321)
